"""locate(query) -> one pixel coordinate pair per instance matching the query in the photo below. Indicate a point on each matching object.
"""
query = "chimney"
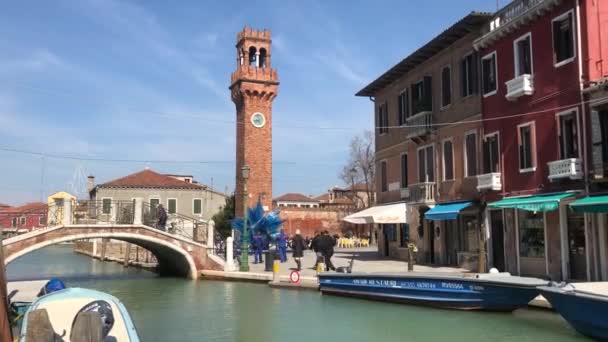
(90, 183)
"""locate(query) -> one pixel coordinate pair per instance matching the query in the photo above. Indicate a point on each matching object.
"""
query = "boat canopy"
(591, 204)
(532, 203)
(447, 211)
(382, 214)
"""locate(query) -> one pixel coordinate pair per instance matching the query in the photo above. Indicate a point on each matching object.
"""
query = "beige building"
(179, 194)
(428, 145)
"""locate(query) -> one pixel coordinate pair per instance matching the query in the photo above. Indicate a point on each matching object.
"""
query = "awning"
(532, 203)
(383, 214)
(447, 211)
(591, 204)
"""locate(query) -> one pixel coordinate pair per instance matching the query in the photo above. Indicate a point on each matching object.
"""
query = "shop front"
(542, 233)
(595, 210)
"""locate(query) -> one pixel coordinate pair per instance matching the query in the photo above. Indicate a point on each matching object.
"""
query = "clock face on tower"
(258, 120)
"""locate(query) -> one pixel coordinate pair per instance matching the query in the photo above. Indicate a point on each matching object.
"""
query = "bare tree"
(360, 170)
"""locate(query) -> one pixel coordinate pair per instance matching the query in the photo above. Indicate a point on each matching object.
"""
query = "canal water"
(168, 309)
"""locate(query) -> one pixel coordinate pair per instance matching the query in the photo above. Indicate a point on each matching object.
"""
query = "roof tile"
(149, 179)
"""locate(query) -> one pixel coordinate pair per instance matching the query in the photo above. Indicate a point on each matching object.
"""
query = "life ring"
(294, 277)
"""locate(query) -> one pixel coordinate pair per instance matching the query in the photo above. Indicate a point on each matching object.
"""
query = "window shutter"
(475, 72)
(400, 109)
(487, 162)
(463, 78)
(556, 41)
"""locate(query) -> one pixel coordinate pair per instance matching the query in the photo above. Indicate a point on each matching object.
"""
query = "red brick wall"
(311, 220)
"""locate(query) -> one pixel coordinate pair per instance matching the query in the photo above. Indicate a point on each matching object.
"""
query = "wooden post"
(482, 240)
(5, 326)
(127, 254)
(103, 249)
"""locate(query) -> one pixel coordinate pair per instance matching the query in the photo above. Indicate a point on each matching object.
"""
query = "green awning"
(532, 203)
(591, 204)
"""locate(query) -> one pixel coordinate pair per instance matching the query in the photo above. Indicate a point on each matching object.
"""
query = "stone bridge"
(176, 254)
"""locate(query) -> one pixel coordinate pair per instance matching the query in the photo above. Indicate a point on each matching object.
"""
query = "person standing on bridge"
(161, 217)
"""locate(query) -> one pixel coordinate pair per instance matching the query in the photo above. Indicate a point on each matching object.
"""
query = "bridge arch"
(172, 258)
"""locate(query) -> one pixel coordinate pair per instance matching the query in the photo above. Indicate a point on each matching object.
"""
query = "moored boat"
(73, 311)
(586, 311)
(491, 292)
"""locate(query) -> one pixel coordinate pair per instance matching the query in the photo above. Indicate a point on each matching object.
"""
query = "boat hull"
(585, 312)
(437, 291)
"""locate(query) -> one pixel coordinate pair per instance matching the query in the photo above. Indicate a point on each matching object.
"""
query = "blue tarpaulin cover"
(447, 211)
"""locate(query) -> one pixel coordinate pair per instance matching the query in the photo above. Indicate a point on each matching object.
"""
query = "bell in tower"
(253, 87)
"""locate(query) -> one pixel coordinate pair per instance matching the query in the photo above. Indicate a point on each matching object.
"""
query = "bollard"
(210, 233)
(411, 249)
(276, 268)
(320, 265)
(229, 266)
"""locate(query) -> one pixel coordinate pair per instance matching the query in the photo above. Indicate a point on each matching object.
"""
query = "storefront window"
(531, 234)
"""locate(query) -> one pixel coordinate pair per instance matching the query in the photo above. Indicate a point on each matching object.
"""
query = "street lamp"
(245, 237)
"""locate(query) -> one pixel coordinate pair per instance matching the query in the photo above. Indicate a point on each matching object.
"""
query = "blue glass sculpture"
(267, 224)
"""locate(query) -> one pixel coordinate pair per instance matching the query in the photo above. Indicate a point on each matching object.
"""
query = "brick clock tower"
(253, 87)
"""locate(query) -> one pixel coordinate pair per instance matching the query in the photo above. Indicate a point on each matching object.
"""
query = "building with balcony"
(428, 140)
(536, 58)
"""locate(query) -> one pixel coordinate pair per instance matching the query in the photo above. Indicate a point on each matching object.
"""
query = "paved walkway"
(366, 260)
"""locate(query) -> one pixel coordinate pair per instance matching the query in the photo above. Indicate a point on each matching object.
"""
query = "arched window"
(262, 58)
(252, 56)
(241, 56)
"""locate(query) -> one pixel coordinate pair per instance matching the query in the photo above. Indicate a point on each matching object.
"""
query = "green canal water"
(167, 309)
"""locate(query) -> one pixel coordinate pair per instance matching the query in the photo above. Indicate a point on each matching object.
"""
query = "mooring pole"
(5, 326)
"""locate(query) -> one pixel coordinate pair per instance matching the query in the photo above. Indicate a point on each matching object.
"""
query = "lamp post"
(245, 237)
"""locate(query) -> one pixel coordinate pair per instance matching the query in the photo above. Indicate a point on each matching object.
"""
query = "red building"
(28, 216)
(535, 143)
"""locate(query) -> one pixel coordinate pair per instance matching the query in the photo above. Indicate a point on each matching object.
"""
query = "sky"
(118, 86)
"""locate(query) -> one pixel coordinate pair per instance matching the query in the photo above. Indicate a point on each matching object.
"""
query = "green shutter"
(197, 206)
(172, 206)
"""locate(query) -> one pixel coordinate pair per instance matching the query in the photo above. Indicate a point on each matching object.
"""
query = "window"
(23, 220)
(154, 202)
(563, 38)
(106, 205)
(468, 75)
(470, 150)
(568, 135)
(448, 160)
(422, 95)
(488, 71)
(390, 231)
(171, 205)
(404, 107)
(404, 234)
(491, 154)
(14, 222)
(197, 206)
(383, 180)
(404, 181)
(603, 118)
(446, 86)
(525, 139)
(426, 165)
(531, 234)
(41, 220)
(522, 48)
(383, 118)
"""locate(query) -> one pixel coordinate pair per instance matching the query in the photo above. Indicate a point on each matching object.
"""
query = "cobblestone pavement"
(366, 260)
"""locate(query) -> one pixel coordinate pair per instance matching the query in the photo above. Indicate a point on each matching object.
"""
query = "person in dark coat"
(314, 245)
(326, 245)
(298, 245)
(161, 217)
(257, 245)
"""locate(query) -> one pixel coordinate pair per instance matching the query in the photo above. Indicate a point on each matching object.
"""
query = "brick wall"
(310, 220)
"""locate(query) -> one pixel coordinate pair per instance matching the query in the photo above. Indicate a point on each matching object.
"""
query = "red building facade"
(26, 217)
(536, 58)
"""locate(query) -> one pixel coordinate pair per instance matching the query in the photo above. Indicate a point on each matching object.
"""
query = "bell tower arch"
(253, 87)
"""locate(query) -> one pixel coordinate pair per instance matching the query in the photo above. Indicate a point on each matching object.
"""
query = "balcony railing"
(421, 124)
(520, 86)
(489, 181)
(566, 168)
(423, 193)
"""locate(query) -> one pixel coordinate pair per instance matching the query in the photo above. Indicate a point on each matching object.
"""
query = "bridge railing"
(103, 212)
(185, 226)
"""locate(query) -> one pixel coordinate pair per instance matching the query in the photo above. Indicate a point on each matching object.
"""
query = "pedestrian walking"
(298, 245)
(327, 243)
(282, 245)
(161, 217)
(257, 244)
(314, 245)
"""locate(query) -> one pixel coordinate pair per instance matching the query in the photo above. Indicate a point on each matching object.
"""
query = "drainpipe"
(584, 122)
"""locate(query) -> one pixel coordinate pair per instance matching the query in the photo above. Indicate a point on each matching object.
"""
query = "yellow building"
(55, 202)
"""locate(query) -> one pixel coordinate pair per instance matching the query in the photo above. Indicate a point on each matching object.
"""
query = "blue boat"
(62, 309)
(490, 292)
(585, 311)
